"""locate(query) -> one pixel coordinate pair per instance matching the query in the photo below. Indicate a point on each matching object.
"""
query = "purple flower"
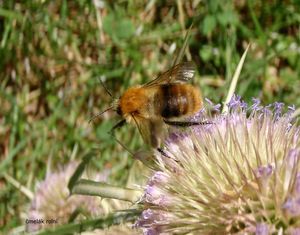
(264, 171)
(278, 106)
(214, 107)
(263, 174)
(235, 102)
(52, 200)
(159, 177)
(256, 104)
(292, 206)
(152, 221)
(262, 229)
(229, 176)
(294, 231)
(156, 196)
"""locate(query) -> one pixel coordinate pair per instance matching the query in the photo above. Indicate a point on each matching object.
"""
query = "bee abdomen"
(177, 100)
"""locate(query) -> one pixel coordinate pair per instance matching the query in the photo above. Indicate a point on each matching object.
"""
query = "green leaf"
(289, 76)
(214, 5)
(227, 18)
(118, 28)
(125, 29)
(209, 24)
(206, 53)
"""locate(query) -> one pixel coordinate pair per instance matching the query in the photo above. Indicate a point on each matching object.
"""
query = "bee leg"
(116, 126)
(120, 143)
(185, 124)
(165, 155)
(162, 152)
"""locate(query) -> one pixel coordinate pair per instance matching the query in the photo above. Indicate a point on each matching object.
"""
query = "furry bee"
(162, 101)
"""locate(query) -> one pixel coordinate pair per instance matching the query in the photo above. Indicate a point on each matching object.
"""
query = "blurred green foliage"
(53, 52)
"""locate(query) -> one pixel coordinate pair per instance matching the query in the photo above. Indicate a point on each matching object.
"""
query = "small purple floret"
(262, 229)
(158, 177)
(278, 106)
(264, 171)
(256, 104)
(215, 107)
(292, 206)
(294, 231)
(235, 102)
(151, 231)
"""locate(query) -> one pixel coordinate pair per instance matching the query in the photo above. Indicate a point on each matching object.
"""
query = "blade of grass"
(79, 171)
(19, 186)
(10, 14)
(93, 188)
(183, 48)
(234, 81)
(100, 223)
(9, 159)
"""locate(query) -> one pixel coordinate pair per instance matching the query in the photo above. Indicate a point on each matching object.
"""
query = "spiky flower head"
(52, 204)
(238, 175)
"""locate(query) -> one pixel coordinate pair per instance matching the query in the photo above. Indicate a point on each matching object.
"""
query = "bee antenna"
(183, 48)
(107, 91)
(99, 114)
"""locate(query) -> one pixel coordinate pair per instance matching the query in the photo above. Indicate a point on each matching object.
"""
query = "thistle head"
(52, 200)
(238, 175)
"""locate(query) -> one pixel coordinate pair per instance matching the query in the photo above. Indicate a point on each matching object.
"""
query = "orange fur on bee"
(133, 100)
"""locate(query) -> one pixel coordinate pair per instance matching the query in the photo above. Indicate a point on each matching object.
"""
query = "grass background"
(52, 54)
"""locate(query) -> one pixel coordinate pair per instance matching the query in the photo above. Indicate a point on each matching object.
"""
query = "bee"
(166, 100)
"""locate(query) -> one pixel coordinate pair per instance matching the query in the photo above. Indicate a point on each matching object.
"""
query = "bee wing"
(180, 73)
(152, 131)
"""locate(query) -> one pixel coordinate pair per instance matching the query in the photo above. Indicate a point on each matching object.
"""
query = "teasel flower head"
(52, 201)
(237, 174)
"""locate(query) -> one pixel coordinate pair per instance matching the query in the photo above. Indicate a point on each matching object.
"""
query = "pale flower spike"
(52, 201)
(240, 174)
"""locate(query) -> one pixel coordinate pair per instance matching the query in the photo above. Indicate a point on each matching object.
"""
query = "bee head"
(116, 106)
(119, 111)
